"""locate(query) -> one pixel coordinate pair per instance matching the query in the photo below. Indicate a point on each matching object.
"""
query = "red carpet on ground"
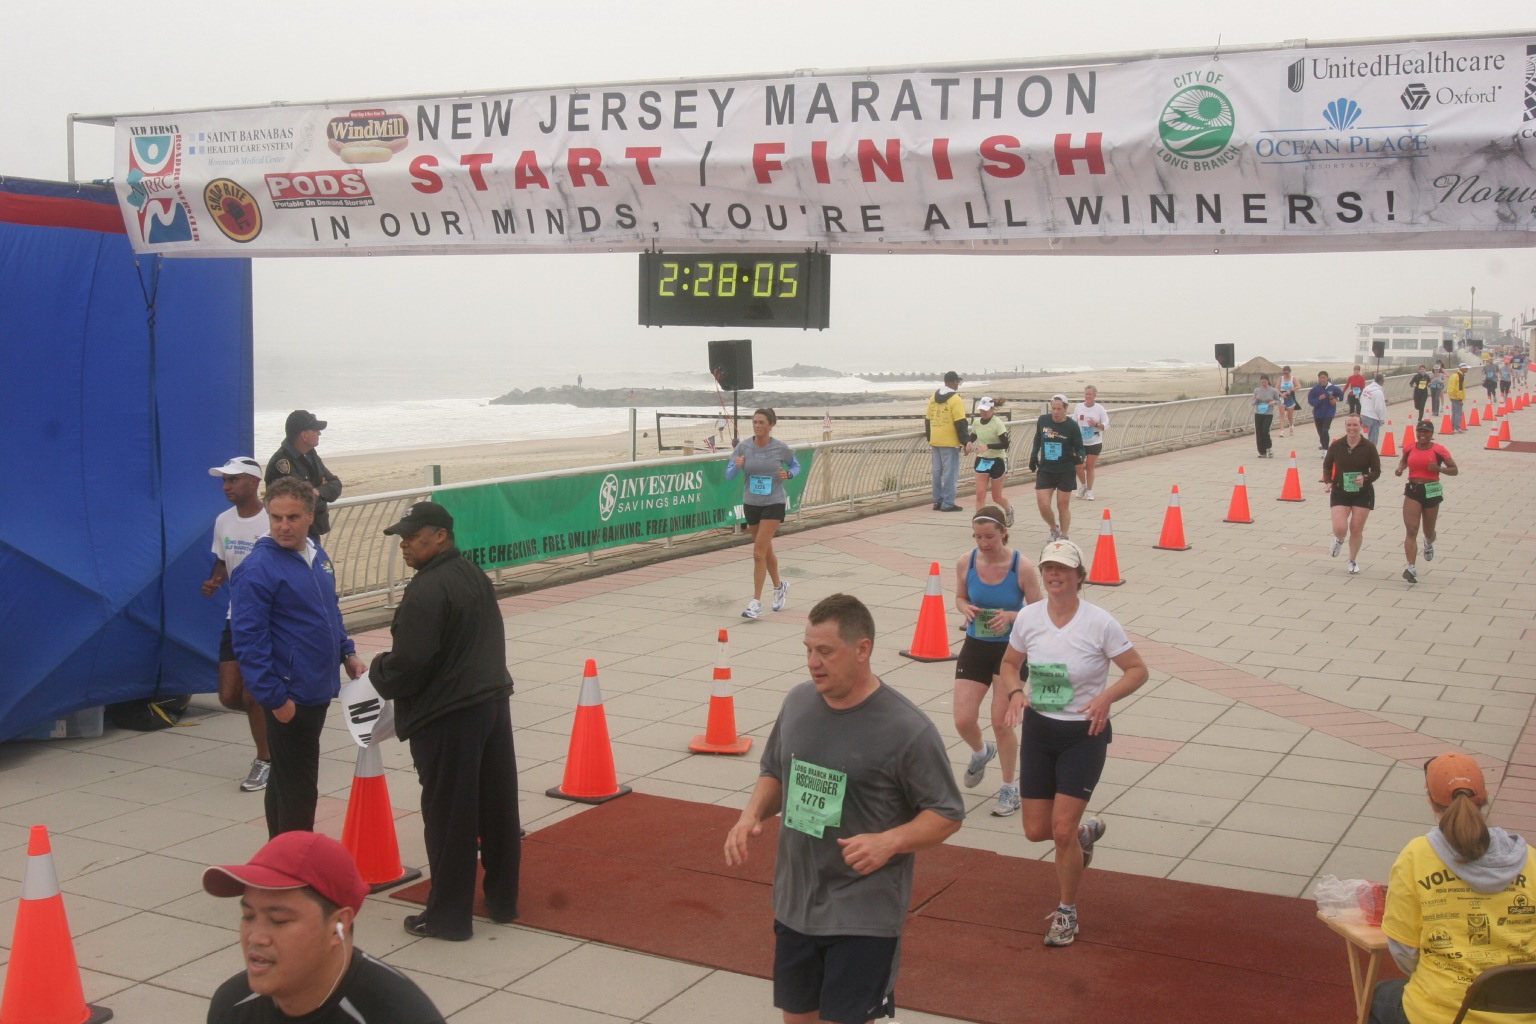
(648, 873)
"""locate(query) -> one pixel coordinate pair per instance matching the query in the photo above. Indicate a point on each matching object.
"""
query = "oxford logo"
(1416, 96)
(1197, 123)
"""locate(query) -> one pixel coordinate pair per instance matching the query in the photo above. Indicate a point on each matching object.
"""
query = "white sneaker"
(256, 779)
(1007, 800)
(1411, 574)
(1055, 536)
(1429, 551)
(1088, 833)
(1354, 568)
(1063, 929)
(754, 610)
(780, 595)
(1010, 515)
(978, 766)
(1335, 548)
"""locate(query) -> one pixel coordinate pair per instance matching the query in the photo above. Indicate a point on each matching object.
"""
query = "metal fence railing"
(847, 474)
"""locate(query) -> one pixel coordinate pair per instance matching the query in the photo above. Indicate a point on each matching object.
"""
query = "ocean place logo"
(367, 136)
(1341, 138)
(1416, 96)
(233, 209)
(1196, 129)
(154, 189)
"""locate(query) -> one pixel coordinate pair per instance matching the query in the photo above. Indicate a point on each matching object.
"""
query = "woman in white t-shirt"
(1092, 419)
(1068, 645)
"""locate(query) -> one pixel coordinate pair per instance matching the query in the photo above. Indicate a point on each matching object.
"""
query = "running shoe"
(1335, 548)
(1429, 551)
(1010, 515)
(1088, 833)
(1411, 574)
(1088, 495)
(978, 766)
(256, 778)
(1007, 800)
(1354, 568)
(1063, 929)
(1054, 537)
(780, 595)
(754, 610)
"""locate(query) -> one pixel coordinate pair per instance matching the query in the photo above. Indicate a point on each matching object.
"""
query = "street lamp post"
(1472, 316)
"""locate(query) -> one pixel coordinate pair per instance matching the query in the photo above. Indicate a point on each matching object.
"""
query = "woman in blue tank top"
(992, 583)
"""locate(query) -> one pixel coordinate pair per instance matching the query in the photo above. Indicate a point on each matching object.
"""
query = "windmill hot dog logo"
(367, 136)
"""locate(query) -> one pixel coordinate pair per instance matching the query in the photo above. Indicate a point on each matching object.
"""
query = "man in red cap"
(298, 898)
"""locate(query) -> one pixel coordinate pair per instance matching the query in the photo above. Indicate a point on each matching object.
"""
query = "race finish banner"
(498, 525)
(1297, 147)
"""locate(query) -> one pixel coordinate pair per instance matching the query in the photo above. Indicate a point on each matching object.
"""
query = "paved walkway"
(1278, 740)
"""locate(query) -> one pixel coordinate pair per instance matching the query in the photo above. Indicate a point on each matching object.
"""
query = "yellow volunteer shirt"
(1459, 932)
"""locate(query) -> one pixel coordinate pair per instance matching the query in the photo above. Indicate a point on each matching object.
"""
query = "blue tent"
(124, 378)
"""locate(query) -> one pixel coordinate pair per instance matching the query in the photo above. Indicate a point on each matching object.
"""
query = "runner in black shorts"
(1067, 644)
(992, 583)
(1054, 458)
(1350, 470)
(1425, 461)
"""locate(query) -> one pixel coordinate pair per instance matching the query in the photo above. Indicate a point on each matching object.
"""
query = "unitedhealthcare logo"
(1296, 75)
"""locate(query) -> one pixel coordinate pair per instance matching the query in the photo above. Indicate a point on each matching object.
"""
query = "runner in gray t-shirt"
(863, 781)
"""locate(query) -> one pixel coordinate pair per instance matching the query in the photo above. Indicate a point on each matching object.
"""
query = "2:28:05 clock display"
(738, 289)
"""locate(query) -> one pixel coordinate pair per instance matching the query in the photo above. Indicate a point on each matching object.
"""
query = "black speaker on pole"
(1448, 344)
(1225, 357)
(1379, 347)
(730, 363)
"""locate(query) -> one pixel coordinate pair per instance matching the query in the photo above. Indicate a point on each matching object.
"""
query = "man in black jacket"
(297, 457)
(447, 675)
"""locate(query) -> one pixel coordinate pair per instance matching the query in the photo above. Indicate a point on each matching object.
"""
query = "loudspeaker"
(1225, 357)
(730, 363)
(1379, 347)
(1476, 346)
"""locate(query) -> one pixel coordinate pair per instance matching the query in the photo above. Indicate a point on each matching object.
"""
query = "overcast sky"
(490, 314)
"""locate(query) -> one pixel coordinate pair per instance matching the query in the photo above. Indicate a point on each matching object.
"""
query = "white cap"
(1059, 397)
(1464, 366)
(1062, 552)
(985, 404)
(238, 465)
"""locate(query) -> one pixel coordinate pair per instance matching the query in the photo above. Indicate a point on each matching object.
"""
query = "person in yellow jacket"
(948, 436)
(1456, 391)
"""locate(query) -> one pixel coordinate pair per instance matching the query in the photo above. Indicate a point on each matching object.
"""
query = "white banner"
(1360, 146)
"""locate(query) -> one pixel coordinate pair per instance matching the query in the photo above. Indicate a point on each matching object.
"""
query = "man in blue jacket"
(1324, 398)
(288, 637)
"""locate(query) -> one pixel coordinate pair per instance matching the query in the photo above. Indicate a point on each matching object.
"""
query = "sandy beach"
(379, 472)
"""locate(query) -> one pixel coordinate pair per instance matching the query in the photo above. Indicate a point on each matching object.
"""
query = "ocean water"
(392, 406)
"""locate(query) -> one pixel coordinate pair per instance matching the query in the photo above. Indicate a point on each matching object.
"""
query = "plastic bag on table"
(1351, 899)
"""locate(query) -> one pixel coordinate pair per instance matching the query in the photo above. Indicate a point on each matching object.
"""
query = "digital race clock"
(735, 289)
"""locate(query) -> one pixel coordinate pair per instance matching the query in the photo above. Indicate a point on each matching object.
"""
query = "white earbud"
(341, 932)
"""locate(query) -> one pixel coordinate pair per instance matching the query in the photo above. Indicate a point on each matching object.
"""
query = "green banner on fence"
(498, 525)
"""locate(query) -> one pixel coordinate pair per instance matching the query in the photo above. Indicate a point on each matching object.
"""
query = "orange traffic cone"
(42, 981)
(1106, 566)
(1445, 425)
(1291, 489)
(930, 641)
(589, 775)
(1472, 418)
(1493, 440)
(1389, 444)
(1237, 511)
(369, 832)
(1173, 525)
(1408, 438)
(1504, 431)
(720, 731)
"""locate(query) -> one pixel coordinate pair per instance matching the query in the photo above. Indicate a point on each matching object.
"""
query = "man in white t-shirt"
(1092, 419)
(234, 533)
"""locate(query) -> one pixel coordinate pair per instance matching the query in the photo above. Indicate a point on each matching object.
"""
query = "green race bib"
(982, 624)
(1432, 489)
(815, 798)
(1048, 686)
(1352, 481)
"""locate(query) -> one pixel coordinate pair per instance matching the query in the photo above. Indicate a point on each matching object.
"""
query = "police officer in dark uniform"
(297, 457)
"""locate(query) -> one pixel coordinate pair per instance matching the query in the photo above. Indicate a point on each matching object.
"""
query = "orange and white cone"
(1389, 441)
(930, 641)
(1106, 565)
(1173, 526)
(589, 774)
(1445, 425)
(369, 832)
(42, 980)
(1408, 438)
(1473, 420)
(1504, 431)
(1237, 511)
(1493, 440)
(720, 731)
(1291, 489)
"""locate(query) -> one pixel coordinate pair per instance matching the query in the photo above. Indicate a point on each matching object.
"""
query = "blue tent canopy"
(124, 379)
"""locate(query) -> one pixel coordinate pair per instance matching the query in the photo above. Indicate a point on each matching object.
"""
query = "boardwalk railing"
(847, 474)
